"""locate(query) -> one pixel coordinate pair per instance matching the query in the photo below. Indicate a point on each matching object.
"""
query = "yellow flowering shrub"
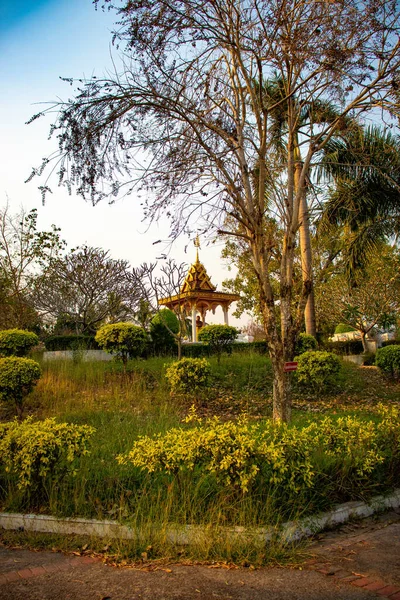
(355, 442)
(235, 451)
(33, 450)
(332, 458)
(188, 375)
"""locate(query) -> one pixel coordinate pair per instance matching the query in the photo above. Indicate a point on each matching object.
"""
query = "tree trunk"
(306, 256)
(179, 344)
(364, 341)
(282, 404)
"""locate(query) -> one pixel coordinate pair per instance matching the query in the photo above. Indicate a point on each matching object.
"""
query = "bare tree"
(189, 95)
(166, 286)
(88, 287)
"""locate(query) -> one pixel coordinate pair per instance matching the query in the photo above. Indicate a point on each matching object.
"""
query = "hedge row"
(344, 348)
(75, 342)
(71, 342)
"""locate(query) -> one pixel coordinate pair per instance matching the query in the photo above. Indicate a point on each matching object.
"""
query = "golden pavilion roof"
(197, 290)
(197, 279)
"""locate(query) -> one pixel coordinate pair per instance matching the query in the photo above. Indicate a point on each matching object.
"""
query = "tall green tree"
(187, 101)
(25, 252)
(372, 303)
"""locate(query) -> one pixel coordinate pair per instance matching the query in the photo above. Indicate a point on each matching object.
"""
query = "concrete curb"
(190, 534)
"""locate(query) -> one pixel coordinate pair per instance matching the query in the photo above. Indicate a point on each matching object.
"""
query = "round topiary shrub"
(125, 340)
(305, 342)
(218, 337)
(316, 370)
(388, 360)
(188, 375)
(344, 328)
(17, 342)
(18, 377)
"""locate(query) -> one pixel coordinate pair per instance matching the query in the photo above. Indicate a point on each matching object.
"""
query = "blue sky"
(15, 12)
(41, 40)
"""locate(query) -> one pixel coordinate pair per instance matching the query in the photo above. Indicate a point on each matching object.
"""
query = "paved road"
(353, 563)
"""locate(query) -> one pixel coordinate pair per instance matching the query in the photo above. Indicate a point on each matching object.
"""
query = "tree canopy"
(184, 119)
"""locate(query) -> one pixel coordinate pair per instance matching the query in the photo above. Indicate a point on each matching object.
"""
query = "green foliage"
(18, 377)
(70, 342)
(162, 341)
(164, 327)
(344, 328)
(188, 375)
(305, 342)
(317, 370)
(17, 342)
(33, 451)
(218, 337)
(168, 319)
(122, 339)
(388, 360)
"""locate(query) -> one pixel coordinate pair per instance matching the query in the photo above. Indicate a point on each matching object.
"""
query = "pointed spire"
(197, 246)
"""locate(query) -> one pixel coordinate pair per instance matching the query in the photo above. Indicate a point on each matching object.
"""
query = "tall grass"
(123, 406)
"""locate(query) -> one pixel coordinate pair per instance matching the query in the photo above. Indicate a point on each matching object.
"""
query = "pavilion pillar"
(226, 319)
(194, 332)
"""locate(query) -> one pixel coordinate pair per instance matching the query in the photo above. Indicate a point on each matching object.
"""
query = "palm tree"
(279, 107)
(365, 199)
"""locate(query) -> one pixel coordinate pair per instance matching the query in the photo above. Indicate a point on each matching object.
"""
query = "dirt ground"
(356, 561)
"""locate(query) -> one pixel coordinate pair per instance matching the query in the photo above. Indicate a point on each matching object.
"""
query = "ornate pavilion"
(197, 296)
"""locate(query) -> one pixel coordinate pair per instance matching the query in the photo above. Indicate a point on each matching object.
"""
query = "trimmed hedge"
(201, 350)
(344, 348)
(125, 340)
(344, 328)
(71, 342)
(86, 342)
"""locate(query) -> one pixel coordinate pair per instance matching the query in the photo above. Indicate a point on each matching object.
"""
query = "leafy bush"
(163, 342)
(32, 451)
(332, 460)
(17, 342)
(345, 348)
(388, 360)
(344, 328)
(122, 339)
(236, 452)
(188, 375)
(316, 370)
(70, 342)
(305, 342)
(18, 377)
(218, 337)
(163, 326)
(167, 318)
